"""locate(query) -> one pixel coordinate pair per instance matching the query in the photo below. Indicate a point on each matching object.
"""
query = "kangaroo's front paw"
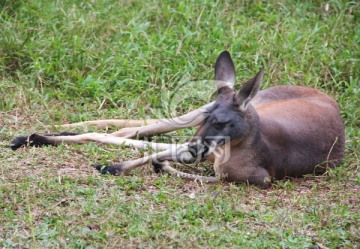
(112, 170)
(157, 166)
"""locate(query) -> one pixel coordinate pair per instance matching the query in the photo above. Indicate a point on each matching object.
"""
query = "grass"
(69, 61)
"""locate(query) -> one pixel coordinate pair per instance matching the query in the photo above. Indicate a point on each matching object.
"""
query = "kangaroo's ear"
(224, 71)
(248, 91)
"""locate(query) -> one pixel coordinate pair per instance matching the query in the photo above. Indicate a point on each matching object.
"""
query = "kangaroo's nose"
(193, 148)
(197, 148)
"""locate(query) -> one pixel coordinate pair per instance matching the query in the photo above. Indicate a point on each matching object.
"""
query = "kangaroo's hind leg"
(107, 123)
(156, 126)
(37, 140)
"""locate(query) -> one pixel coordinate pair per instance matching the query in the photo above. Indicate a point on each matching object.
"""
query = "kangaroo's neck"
(253, 138)
(253, 150)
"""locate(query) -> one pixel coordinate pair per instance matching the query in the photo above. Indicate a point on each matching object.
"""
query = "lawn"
(70, 61)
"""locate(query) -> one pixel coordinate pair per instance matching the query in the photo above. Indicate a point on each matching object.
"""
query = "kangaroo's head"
(231, 116)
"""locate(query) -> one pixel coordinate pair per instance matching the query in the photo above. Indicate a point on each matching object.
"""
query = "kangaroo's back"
(302, 128)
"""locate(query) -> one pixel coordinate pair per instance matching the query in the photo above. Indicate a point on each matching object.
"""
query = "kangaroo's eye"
(219, 125)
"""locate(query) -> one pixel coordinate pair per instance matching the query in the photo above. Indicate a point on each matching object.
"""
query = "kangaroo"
(282, 131)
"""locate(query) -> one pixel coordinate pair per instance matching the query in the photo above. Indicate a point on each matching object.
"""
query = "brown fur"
(301, 133)
(287, 131)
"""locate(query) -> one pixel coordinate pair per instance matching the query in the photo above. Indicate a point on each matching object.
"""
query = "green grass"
(70, 61)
